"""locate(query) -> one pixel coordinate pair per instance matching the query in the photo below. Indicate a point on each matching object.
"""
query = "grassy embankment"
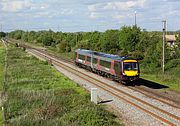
(171, 77)
(39, 95)
(2, 57)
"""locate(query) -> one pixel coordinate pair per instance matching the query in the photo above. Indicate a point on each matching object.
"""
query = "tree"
(2, 34)
(109, 41)
(177, 47)
(129, 37)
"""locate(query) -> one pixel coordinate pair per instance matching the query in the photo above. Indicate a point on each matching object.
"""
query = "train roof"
(111, 56)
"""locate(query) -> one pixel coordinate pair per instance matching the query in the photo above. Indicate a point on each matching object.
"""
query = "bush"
(138, 55)
(172, 63)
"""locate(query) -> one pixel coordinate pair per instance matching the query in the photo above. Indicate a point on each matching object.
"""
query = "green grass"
(39, 95)
(170, 78)
(1, 119)
(2, 58)
(53, 50)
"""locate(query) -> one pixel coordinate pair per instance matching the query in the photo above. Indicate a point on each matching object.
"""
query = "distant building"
(171, 40)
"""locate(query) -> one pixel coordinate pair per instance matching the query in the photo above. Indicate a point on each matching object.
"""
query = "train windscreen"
(130, 66)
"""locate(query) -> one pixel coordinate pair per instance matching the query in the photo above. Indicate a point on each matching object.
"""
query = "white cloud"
(105, 9)
(119, 17)
(95, 15)
(116, 5)
(66, 11)
(20, 5)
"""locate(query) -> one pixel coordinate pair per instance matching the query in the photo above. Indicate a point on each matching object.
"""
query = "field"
(39, 95)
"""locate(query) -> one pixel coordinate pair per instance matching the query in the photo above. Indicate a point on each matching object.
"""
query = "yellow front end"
(130, 70)
(131, 73)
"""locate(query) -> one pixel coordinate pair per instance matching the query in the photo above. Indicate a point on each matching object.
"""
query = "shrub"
(172, 63)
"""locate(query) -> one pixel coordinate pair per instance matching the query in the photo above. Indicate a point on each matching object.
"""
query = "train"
(119, 68)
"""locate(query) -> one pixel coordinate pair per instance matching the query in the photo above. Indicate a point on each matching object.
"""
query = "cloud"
(95, 15)
(109, 8)
(65, 11)
(118, 17)
(123, 5)
(13, 6)
(116, 5)
(20, 5)
(73, 13)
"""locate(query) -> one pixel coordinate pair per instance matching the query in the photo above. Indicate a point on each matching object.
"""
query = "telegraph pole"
(164, 33)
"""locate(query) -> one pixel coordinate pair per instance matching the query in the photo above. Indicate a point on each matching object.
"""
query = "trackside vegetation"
(38, 95)
(128, 40)
(2, 59)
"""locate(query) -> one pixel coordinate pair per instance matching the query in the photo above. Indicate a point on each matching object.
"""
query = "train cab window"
(88, 58)
(95, 60)
(82, 57)
(130, 66)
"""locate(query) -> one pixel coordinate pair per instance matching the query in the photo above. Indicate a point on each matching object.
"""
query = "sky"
(88, 15)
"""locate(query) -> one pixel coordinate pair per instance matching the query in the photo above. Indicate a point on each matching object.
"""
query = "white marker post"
(94, 95)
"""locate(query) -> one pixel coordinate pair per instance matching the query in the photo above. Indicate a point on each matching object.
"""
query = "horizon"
(89, 15)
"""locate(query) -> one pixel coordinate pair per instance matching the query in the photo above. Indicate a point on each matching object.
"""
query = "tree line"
(128, 40)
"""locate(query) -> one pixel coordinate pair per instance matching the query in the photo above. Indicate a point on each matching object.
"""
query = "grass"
(2, 59)
(67, 55)
(1, 119)
(39, 95)
(170, 78)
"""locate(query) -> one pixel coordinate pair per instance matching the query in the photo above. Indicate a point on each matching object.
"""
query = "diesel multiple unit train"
(120, 68)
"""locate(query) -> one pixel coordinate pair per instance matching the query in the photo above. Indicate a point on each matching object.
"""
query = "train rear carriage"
(83, 58)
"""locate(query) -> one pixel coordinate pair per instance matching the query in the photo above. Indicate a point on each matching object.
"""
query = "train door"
(117, 68)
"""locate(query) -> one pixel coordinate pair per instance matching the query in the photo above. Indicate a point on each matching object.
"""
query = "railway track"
(148, 93)
(158, 113)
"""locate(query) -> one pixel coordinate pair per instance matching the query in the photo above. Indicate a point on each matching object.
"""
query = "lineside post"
(94, 95)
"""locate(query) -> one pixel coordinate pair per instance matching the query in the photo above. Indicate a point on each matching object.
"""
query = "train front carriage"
(130, 70)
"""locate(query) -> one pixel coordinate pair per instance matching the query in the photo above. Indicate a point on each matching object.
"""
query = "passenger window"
(94, 60)
(116, 67)
(82, 57)
(102, 62)
(88, 59)
(108, 64)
